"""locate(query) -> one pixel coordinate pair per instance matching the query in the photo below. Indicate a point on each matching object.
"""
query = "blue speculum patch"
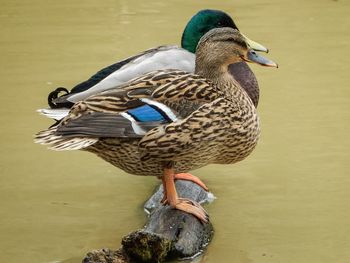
(146, 113)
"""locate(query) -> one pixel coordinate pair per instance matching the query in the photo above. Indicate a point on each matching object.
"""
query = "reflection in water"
(288, 202)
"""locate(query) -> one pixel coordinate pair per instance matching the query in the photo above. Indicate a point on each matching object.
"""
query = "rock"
(169, 233)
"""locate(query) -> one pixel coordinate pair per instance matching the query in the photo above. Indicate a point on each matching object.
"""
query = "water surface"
(288, 202)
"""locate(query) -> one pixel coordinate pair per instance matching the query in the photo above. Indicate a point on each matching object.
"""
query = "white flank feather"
(57, 114)
(169, 57)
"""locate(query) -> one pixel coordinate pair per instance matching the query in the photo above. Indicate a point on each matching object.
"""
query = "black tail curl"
(53, 95)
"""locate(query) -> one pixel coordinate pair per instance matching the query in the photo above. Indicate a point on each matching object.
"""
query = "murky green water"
(288, 202)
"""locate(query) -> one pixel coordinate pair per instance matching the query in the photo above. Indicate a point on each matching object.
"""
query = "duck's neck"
(209, 69)
(238, 73)
(219, 75)
(225, 77)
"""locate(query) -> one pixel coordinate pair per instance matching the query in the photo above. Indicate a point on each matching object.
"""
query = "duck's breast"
(243, 134)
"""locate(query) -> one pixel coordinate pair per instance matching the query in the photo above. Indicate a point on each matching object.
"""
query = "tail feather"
(61, 143)
(57, 114)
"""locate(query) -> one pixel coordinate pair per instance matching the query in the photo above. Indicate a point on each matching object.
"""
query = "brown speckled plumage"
(216, 119)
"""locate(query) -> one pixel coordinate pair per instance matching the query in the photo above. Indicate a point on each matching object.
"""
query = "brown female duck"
(170, 121)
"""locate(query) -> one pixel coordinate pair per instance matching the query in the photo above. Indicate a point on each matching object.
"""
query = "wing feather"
(106, 114)
(98, 124)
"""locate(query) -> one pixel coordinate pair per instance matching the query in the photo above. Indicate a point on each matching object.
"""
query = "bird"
(170, 121)
(162, 57)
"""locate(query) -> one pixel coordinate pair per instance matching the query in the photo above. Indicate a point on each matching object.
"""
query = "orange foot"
(183, 204)
(187, 177)
(192, 178)
(192, 207)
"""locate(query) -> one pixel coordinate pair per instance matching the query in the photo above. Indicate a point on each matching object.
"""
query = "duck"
(162, 57)
(170, 121)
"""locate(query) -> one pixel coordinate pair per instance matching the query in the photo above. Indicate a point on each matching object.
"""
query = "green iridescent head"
(204, 21)
(201, 23)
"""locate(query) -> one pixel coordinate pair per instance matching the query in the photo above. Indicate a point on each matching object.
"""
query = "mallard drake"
(163, 57)
(170, 121)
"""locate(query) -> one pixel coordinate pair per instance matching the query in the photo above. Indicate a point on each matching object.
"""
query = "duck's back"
(163, 57)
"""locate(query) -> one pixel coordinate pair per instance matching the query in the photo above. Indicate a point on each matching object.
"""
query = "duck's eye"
(230, 39)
